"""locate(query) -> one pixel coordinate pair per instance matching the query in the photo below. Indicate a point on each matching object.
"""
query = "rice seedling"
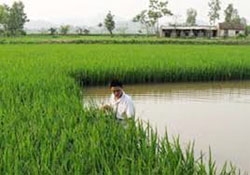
(45, 130)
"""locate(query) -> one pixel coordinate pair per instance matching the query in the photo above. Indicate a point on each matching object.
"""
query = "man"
(120, 103)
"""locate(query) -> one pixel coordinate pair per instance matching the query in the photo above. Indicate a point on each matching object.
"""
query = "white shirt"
(122, 107)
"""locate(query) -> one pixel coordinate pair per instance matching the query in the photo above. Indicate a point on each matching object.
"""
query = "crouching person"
(120, 103)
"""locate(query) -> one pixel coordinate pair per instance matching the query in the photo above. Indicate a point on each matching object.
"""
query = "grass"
(45, 130)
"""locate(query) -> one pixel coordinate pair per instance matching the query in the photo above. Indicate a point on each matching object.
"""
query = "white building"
(227, 29)
(222, 30)
(188, 31)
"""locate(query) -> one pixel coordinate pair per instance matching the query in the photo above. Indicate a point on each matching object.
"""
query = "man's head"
(116, 88)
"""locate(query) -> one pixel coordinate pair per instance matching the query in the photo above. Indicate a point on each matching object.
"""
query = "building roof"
(231, 26)
(188, 27)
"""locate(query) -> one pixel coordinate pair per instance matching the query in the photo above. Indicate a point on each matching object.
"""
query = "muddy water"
(211, 114)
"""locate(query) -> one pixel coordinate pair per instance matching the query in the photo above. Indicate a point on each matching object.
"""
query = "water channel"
(215, 114)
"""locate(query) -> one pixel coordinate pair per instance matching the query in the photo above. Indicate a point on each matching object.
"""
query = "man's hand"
(106, 107)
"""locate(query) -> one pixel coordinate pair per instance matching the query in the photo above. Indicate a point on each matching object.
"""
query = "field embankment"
(120, 39)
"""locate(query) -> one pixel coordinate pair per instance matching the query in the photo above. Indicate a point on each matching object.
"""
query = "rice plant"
(45, 129)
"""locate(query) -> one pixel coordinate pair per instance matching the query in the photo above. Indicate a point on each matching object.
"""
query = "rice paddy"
(45, 130)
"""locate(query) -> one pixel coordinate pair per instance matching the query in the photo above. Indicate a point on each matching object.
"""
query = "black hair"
(115, 83)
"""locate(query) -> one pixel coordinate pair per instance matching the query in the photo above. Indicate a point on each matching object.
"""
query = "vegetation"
(231, 14)
(191, 17)
(43, 126)
(150, 17)
(13, 19)
(214, 8)
(247, 30)
(109, 23)
(52, 31)
(55, 37)
(45, 130)
(64, 29)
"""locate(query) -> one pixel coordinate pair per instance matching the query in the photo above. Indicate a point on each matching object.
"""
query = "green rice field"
(45, 130)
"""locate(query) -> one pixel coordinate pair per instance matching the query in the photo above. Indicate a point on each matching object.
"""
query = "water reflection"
(215, 114)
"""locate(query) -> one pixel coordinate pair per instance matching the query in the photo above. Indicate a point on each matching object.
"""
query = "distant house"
(1, 27)
(227, 29)
(188, 31)
(222, 30)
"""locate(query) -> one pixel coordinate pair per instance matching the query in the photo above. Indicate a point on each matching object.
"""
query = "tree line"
(12, 19)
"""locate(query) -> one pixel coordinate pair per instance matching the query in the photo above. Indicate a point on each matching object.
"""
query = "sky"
(93, 11)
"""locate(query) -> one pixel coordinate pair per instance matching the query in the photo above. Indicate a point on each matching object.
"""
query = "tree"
(86, 31)
(52, 31)
(231, 14)
(109, 23)
(191, 17)
(79, 30)
(157, 9)
(2, 14)
(247, 30)
(243, 21)
(150, 17)
(214, 8)
(64, 29)
(100, 25)
(2, 18)
(143, 19)
(15, 19)
(236, 18)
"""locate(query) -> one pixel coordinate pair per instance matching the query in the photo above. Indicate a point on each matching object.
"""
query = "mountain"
(122, 26)
(38, 25)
